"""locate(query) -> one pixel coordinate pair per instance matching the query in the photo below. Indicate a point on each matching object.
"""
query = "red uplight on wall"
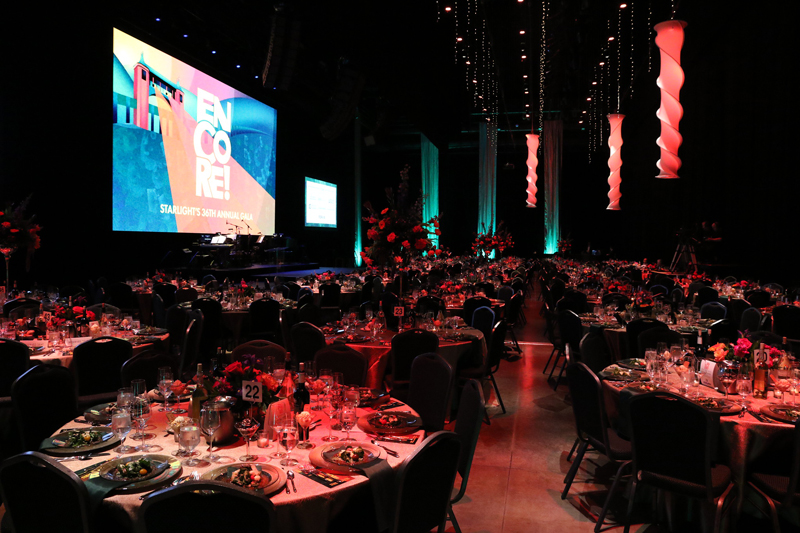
(533, 162)
(614, 160)
(669, 39)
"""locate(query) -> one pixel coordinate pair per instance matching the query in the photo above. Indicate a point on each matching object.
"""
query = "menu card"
(708, 373)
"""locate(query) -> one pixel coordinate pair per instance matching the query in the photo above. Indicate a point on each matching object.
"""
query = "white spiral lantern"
(614, 160)
(669, 39)
(533, 162)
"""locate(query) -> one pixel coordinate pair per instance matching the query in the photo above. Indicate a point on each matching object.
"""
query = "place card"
(708, 373)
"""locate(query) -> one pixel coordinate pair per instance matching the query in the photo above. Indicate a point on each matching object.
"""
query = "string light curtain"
(430, 182)
(552, 149)
(532, 162)
(487, 177)
(614, 160)
(669, 39)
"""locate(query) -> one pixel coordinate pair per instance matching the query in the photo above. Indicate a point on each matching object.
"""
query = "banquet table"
(378, 351)
(41, 354)
(309, 510)
(742, 440)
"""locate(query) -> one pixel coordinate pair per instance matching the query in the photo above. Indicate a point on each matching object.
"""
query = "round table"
(309, 510)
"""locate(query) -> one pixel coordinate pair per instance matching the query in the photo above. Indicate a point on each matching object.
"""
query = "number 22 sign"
(251, 391)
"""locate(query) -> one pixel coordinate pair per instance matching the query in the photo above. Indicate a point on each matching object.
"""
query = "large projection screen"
(191, 154)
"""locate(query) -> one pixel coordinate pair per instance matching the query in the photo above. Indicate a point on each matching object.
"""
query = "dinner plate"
(633, 364)
(169, 468)
(781, 411)
(617, 373)
(108, 440)
(137, 340)
(406, 423)
(321, 456)
(150, 330)
(353, 339)
(98, 413)
(275, 478)
(718, 405)
(644, 386)
(374, 395)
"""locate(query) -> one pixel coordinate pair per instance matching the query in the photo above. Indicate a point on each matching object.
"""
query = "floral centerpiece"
(248, 369)
(18, 232)
(398, 232)
(743, 349)
(492, 241)
(76, 313)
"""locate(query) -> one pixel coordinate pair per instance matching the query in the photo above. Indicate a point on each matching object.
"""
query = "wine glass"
(275, 421)
(727, 377)
(210, 421)
(348, 419)
(377, 326)
(189, 438)
(795, 384)
(140, 412)
(121, 424)
(651, 362)
(288, 439)
(330, 411)
(247, 427)
(165, 385)
(124, 398)
(687, 379)
(783, 381)
(352, 394)
(138, 387)
(744, 384)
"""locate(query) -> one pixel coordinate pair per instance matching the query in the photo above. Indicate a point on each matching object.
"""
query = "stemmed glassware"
(189, 439)
(325, 375)
(140, 412)
(165, 385)
(727, 377)
(348, 419)
(288, 439)
(744, 384)
(330, 411)
(783, 381)
(651, 362)
(795, 384)
(209, 423)
(276, 423)
(121, 424)
(247, 427)
(124, 398)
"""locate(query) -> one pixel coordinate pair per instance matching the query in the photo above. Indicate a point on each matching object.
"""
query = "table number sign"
(251, 391)
(399, 311)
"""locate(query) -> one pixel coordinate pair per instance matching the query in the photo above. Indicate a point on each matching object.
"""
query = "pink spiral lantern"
(614, 160)
(669, 39)
(533, 162)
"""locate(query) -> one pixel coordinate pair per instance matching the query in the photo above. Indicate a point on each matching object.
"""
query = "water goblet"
(121, 424)
(247, 427)
(140, 412)
(275, 421)
(189, 438)
(330, 411)
(138, 387)
(210, 422)
(288, 440)
(687, 380)
(783, 381)
(165, 382)
(124, 397)
(348, 418)
(651, 362)
(744, 385)
(352, 394)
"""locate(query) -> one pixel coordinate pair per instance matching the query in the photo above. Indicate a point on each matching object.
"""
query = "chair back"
(659, 289)
(342, 358)
(98, 310)
(588, 405)
(513, 308)
(15, 358)
(618, 299)
(705, 295)
(167, 293)
(572, 299)
(190, 349)
(330, 295)
(424, 484)
(19, 302)
(429, 390)
(121, 295)
(758, 298)
(750, 320)
(43, 399)
(471, 304)
(486, 287)
(144, 365)
(471, 409)
(310, 312)
(97, 364)
(71, 290)
(31, 479)
(786, 321)
(185, 294)
(594, 350)
(635, 327)
(261, 349)
(722, 329)
(307, 340)
(736, 307)
(406, 346)
(159, 311)
(649, 339)
(294, 289)
(767, 337)
(570, 329)
(672, 437)
(713, 310)
(27, 310)
(245, 510)
(497, 343)
(177, 320)
(212, 326)
(304, 296)
(265, 318)
(506, 292)
(483, 320)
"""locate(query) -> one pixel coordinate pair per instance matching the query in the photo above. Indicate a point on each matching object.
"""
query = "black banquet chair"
(15, 358)
(468, 428)
(40, 494)
(406, 346)
(342, 358)
(429, 391)
(244, 511)
(307, 340)
(43, 400)
(674, 442)
(97, 363)
(424, 484)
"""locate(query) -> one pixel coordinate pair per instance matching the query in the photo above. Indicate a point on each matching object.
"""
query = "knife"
(83, 471)
(759, 416)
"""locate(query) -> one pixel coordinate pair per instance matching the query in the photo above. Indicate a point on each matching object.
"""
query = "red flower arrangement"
(18, 232)
(492, 241)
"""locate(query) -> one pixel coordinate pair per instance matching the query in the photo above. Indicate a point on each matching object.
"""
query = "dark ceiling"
(413, 70)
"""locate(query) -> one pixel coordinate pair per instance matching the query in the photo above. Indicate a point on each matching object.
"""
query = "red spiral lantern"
(533, 162)
(614, 160)
(669, 39)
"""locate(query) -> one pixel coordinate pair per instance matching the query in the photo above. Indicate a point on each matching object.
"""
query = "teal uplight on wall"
(487, 176)
(430, 182)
